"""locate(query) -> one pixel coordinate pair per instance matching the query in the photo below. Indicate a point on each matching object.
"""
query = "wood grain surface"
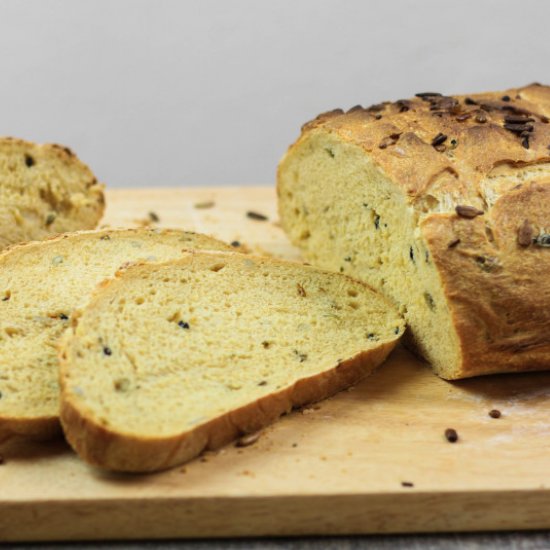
(373, 459)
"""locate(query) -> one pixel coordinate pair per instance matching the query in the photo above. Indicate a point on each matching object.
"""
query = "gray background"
(211, 92)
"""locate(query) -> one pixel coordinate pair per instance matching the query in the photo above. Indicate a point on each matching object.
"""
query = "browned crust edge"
(102, 447)
(42, 428)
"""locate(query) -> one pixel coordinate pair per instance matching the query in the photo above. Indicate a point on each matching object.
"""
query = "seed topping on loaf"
(466, 211)
(470, 175)
(504, 111)
(525, 233)
(390, 140)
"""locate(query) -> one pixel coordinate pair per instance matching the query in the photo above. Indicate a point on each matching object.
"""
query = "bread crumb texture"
(206, 348)
(441, 203)
(41, 285)
(45, 189)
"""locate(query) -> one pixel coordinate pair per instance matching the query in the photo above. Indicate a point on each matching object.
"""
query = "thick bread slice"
(443, 204)
(41, 283)
(44, 189)
(170, 359)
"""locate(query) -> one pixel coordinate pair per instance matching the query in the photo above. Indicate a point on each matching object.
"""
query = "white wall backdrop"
(167, 92)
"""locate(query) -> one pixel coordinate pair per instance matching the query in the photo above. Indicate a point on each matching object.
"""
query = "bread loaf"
(170, 359)
(41, 283)
(443, 203)
(44, 189)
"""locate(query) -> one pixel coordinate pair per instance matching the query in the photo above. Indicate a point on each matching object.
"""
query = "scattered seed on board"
(107, 350)
(204, 205)
(451, 435)
(248, 439)
(235, 244)
(495, 413)
(256, 216)
(153, 216)
(407, 484)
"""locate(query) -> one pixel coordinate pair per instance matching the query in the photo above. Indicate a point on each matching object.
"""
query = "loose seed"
(495, 413)
(204, 205)
(451, 435)
(256, 216)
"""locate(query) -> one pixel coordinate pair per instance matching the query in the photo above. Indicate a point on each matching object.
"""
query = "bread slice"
(44, 189)
(443, 204)
(41, 283)
(170, 359)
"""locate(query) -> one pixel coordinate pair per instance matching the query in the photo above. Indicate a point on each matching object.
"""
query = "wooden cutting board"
(370, 460)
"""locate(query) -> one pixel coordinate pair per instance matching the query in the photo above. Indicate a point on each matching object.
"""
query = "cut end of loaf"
(346, 215)
(442, 203)
(172, 359)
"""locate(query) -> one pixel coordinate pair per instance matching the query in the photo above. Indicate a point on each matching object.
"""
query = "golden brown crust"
(400, 140)
(101, 447)
(497, 287)
(469, 151)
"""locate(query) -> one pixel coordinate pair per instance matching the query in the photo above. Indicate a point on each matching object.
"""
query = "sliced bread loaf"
(44, 189)
(443, 204)
(170, 359)
(41, 283)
